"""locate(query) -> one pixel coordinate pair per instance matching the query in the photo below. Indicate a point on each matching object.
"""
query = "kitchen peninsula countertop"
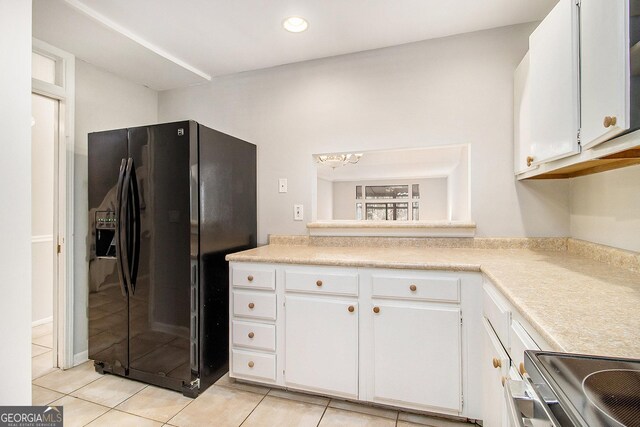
(577, 304)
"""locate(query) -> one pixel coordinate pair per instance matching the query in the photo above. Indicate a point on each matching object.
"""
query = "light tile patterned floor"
(104, 400)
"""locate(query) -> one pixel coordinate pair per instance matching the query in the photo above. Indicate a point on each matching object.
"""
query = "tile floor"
(104, 400)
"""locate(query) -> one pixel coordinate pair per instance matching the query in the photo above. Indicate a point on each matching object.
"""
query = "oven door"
(523, 406)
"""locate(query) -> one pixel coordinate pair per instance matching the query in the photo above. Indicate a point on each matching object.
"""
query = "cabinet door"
(522, 149)
(495, 366)
(604, 68)
(321, 345)
(417, 356)
(554, 78)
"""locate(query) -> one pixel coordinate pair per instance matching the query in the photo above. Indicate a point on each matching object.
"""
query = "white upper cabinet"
(522, 154)
(604, 49)
(554, 84)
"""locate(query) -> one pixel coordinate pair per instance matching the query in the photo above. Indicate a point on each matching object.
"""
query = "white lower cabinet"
(417, 355)
(495, 367)
(321, 345)
(387, 336)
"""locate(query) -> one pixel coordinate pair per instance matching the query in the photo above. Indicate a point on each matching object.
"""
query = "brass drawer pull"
(609, 121)
(376, 310)
(522, 370)
(497, 363)
(351, 309)
(251, 305)
(413, 288)
(251, 364)
(529, 160)
(250, 278)
(319, 283)
(251, 335)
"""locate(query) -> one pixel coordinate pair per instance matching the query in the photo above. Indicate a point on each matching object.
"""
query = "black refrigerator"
(167, 202)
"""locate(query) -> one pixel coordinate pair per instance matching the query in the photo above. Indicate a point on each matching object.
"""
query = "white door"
(321, 345)
(604, 70)
(554, 79)
(417, 355)
(495, 366)
(44, 146)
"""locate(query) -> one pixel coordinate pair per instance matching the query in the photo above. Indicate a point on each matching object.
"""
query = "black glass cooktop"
(595, 391)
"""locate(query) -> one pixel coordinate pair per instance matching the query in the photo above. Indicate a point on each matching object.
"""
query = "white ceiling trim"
(96, 16)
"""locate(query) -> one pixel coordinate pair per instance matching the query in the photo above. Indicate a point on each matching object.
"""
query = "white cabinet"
(321, 345)
(554, 77)
(522, 150)
(417, 355)
(604, 49)
(495, 367)
(314, 328)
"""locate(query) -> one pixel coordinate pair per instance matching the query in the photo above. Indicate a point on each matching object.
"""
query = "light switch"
(298, 213)
(282, 185)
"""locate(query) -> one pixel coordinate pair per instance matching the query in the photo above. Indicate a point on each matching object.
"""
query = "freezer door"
(107, 311)
(159, 306)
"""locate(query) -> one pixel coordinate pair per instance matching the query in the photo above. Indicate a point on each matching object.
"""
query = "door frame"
(63, 292)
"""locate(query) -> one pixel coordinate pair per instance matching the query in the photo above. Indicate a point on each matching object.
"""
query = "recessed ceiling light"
(295, 24)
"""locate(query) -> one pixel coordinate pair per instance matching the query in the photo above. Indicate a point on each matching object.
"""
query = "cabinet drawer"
(520, 341)
(497, 313)
(417, 288)
(254, 335)
(253, 277)
(254, 365)
(322, 281)
(258, 305)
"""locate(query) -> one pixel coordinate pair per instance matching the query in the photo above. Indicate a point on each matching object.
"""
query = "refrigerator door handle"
(135, 226)
(118, 233)
(125, 242)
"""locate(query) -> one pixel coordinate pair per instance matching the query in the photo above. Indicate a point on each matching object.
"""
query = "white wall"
(458, 188)
(15, 209)
(43, 141)
(103, 101)
(452, 90)
(325, 199)
(433, 197)
(605, 208)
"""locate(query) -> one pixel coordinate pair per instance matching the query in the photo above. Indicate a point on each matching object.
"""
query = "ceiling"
(172, 43)
(430, 162)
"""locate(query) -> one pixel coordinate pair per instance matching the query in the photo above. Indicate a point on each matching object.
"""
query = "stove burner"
(616, 393)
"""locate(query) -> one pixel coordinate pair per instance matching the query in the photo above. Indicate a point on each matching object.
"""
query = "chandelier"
(335, 160)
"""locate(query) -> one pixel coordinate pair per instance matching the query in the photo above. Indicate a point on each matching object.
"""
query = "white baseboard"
(80, 357)
(42, 321)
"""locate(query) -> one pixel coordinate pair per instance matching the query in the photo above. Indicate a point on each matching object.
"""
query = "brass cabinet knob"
(251, 305)
(503, 380)
(250, 278)
(413, 288)
(609, 121)
(529, 160)
(251, 335)
(351, 309)
(497, 363)
(521, 368)
(251, 364)
(376, 309)
(319, 283)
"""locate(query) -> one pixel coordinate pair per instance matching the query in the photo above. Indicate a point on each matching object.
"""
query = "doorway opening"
(52, 155)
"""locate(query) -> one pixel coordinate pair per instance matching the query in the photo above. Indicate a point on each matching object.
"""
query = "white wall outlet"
(282, 185)
(298, 212)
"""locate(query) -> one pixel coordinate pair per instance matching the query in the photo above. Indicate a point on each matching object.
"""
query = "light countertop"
(577, 304)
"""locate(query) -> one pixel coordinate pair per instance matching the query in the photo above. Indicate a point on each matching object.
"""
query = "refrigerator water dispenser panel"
(106, 234)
